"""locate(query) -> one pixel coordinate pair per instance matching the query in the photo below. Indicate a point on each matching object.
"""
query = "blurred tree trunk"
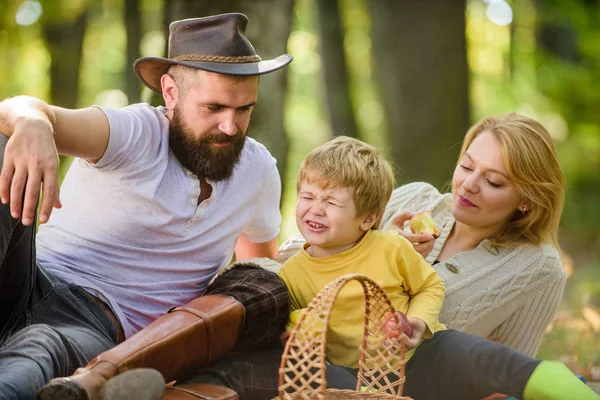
(268, 30)
(556, 33)
(133, 27)
(334, 71)
(567, 76)
(64, 41)
(63, 35)
(419, 57)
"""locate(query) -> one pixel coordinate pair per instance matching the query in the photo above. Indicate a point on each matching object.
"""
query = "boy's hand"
(418, 329)
(390, 327)
(423, 243)
(283, 338)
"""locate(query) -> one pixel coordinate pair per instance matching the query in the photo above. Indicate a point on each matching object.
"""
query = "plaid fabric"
(253, 376)
(265, 298)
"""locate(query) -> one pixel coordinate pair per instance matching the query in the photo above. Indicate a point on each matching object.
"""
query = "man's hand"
(418, 329)
(30, 161)
(423, 243)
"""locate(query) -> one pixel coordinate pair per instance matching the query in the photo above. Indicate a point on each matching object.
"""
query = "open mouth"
(315, 225)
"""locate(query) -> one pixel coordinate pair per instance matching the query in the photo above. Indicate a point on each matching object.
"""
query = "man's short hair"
(349, 163)
(183, 77)
(186, 77)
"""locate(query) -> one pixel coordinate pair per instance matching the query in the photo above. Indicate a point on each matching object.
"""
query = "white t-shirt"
(131, 231)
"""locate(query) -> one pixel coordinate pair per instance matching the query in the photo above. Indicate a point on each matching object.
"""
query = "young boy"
(343, 187)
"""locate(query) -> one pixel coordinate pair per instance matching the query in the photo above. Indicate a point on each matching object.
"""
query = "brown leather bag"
(197, 391)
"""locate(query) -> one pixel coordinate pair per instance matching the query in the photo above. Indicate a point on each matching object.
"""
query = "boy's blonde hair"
(349, 163)
(532, 165)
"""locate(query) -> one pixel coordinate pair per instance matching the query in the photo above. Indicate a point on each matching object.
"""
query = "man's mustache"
(221, 138)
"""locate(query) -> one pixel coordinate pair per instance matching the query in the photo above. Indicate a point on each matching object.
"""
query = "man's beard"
(199, 155)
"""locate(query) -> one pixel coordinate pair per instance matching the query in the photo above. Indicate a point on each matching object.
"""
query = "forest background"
(408, 76)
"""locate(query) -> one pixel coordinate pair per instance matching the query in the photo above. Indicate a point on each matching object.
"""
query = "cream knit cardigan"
(509, 295)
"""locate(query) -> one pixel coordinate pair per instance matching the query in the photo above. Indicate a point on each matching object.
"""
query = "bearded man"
(155, 204)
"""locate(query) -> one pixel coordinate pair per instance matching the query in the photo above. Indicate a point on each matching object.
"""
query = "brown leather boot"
(197, 391)
(145, 383)
(141, 383)
(179, 342)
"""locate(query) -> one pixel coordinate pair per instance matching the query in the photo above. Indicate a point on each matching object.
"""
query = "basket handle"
(303, 365)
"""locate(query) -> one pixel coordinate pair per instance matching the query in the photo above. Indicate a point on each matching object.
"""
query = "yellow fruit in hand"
(422, 223)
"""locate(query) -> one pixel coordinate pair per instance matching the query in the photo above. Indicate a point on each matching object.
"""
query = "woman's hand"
(418, 329)
(423, 243)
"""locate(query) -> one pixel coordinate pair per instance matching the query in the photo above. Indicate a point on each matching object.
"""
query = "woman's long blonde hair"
(532, 165)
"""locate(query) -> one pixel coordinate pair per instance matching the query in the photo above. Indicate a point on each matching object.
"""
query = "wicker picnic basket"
(381, 363)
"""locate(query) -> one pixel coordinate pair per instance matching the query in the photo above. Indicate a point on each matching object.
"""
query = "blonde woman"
(497, 252)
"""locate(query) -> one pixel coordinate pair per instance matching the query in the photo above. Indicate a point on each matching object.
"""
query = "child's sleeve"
(423, 284)
(287, 278)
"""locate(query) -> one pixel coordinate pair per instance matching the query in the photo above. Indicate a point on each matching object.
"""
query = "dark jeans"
(48, 328)
(451, 365)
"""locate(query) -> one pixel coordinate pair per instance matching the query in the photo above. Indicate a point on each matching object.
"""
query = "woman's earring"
(523, 210)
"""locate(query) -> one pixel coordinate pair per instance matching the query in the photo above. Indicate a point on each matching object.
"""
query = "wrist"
(34, 123)
(32, 112)
(417, 323)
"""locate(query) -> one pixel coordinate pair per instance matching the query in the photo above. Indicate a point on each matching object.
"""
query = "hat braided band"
(218, 59)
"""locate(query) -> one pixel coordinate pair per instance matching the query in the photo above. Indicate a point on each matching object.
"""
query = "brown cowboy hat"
(216, 44)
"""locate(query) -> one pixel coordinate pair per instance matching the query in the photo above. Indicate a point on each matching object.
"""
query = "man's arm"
(38, 132)
(245, 249)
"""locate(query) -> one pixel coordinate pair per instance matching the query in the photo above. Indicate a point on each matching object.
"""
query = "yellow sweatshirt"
(412, 285)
